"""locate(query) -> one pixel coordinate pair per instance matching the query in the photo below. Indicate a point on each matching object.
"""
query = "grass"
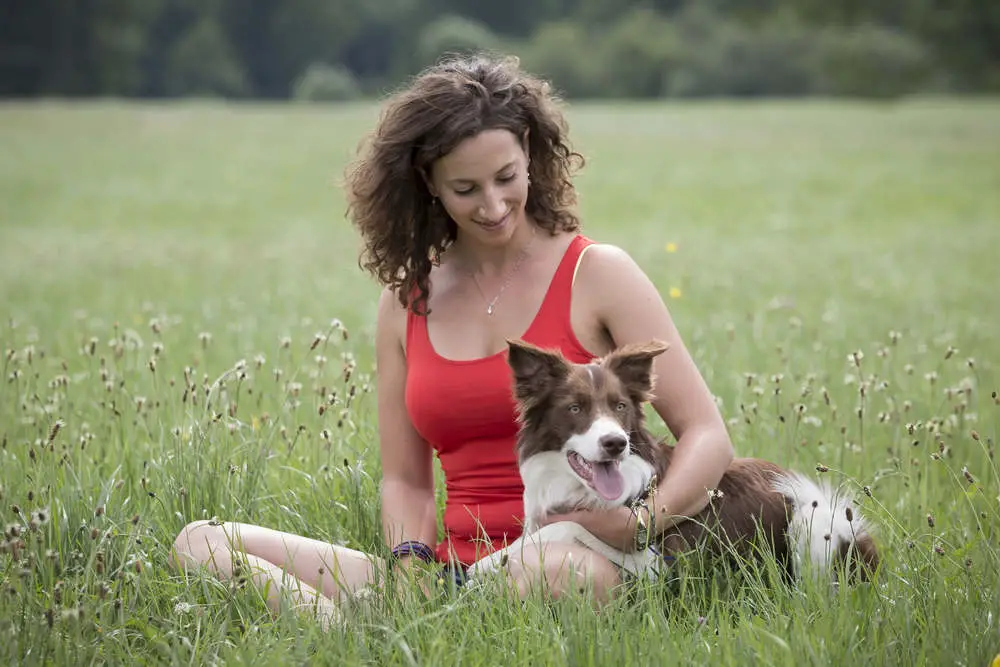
(180, 296)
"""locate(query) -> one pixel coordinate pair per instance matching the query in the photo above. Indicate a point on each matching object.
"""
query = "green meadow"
(186, 334)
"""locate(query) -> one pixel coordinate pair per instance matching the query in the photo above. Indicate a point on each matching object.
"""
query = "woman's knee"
(197, 542)
(560, 570)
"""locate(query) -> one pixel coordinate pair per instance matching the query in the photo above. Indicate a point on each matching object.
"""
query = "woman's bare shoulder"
(610, 271)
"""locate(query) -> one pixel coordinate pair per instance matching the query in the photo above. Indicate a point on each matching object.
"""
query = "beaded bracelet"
(414, 548)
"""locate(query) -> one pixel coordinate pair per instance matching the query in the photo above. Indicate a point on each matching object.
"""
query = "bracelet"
(413, 548)
(644, 533)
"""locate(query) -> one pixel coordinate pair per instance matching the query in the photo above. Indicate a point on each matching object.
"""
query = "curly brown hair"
(404, 233)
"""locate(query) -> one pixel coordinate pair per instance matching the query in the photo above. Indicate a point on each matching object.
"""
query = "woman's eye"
(506, 179)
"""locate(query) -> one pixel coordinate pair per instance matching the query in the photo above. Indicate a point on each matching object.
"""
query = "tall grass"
(187, 335)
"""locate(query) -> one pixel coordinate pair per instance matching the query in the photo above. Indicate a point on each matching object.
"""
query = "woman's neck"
(490, 260)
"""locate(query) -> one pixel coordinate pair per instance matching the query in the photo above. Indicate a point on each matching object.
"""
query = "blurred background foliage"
(639, 49)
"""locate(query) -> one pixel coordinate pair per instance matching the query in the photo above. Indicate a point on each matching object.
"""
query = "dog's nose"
(613, 444)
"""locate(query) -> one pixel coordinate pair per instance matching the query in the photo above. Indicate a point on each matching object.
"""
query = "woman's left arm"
(627, 306)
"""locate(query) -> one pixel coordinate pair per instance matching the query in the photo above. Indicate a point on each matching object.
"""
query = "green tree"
(202, 62)
(453, 35)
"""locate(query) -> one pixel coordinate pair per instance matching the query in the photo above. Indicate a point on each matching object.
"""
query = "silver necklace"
(492, 304)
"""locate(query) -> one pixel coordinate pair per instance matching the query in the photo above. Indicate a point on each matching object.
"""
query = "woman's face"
(483, 185)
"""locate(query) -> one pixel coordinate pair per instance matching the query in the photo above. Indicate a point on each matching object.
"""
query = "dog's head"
(593, 413)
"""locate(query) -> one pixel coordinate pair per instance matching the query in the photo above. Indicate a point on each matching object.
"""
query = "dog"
(583, 443)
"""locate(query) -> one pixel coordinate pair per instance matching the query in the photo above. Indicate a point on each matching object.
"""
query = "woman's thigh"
(329, 568)
(556, 569)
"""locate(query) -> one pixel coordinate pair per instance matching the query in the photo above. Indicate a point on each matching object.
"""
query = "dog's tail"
(826, 531)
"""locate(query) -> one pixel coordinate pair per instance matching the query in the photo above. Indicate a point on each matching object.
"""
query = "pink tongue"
(608, 480)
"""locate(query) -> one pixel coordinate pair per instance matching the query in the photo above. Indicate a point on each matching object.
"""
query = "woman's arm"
(407, 490)
(628, 308)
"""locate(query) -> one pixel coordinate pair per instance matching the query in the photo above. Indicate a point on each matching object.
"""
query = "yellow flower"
(996, 661)
(675, 292)
(671, 247)
(254, 423)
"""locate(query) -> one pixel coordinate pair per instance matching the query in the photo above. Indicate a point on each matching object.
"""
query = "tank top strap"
(553, 325)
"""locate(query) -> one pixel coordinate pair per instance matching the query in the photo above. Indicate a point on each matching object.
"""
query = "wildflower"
(54, 431)
(675, 292)
(671, 247)
(968, 475)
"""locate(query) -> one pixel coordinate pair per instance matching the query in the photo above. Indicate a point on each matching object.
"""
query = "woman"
(465, 202)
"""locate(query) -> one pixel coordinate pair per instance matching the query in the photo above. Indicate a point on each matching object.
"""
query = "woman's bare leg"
(292, 569)
(554, 569)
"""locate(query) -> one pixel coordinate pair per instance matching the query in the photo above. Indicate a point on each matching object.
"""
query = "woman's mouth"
(494, 225)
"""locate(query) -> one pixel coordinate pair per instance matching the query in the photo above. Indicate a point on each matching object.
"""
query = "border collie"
(583, 443)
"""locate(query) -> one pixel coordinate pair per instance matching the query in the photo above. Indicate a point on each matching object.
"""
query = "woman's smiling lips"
(491, 226)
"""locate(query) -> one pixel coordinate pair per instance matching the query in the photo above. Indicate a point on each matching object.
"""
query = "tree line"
(344, 49)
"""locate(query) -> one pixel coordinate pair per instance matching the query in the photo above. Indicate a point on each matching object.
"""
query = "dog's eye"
(621, 407)
(574, 409)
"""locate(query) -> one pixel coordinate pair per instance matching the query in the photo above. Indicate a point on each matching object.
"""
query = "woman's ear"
(428, 182)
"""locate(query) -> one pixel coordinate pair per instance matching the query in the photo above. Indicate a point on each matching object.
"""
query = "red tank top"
(465, 410)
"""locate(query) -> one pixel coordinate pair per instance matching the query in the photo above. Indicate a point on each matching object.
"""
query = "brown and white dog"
(583, 443)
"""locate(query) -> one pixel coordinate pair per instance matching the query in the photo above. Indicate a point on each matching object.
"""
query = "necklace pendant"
(489, 310)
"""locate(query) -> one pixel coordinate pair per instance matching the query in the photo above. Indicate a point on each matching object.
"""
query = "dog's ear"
(633, 364)
(535, 369)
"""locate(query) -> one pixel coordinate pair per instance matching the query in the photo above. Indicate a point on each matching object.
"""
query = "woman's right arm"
(408, 507)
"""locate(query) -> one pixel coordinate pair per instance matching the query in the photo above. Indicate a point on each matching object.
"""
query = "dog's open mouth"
(605, 477)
